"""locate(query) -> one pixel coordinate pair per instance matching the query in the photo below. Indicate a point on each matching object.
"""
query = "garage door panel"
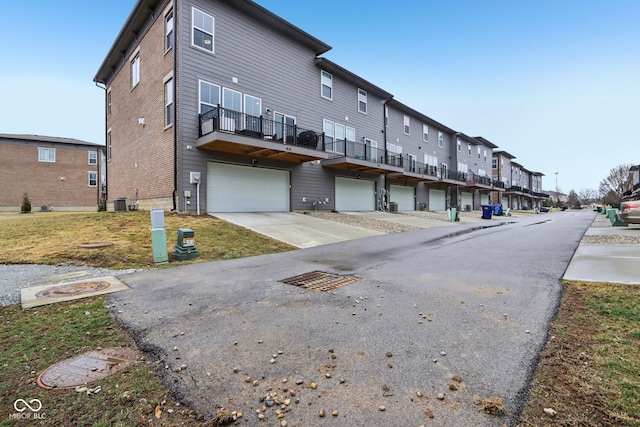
(234, 188)
(467, 200)
(355, 194)
(403, 196)
(437, 200)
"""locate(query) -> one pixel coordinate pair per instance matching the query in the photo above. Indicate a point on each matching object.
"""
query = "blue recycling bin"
(497, 209)
(487, 210)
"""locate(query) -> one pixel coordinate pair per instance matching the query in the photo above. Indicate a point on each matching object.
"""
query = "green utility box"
(186, 246)
(159, 245)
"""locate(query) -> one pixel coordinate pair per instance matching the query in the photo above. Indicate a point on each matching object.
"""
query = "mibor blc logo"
(27, 410)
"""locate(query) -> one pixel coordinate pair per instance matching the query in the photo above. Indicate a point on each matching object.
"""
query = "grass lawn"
(55, 237)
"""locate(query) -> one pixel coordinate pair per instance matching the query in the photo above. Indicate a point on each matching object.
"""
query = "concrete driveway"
(299, 230)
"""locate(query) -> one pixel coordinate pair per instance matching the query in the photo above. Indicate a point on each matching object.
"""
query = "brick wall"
(20, 172)
(141, 156)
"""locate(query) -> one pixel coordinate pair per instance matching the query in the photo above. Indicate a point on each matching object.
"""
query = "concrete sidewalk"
(607, 254)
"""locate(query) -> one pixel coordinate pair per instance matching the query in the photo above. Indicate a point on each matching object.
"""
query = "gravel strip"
(363, 221)
(610, 240)
(18, 276)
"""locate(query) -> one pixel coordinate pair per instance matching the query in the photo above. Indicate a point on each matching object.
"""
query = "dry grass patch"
(589, 370)
(55, 237)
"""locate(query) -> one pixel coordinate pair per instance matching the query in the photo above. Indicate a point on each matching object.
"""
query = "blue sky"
(555, 83)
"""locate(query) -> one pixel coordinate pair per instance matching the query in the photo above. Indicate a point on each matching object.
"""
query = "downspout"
(175, 105)
(106, 162)
(386, 155)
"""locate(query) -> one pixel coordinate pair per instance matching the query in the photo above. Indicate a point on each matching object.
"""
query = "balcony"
(360, 157)
(233, 132)
(416, 171)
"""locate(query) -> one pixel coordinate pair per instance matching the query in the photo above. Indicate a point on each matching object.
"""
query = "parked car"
(630, 212)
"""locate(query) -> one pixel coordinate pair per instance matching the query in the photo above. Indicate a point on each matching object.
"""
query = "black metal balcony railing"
(222, 119)
(366, 150)
(498, 184)
(636, 186)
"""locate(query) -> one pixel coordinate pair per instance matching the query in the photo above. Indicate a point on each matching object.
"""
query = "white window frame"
(440, 139)
(226, 92)
(469, 149)
(425, 133)
(326, 80)
(494, 163)
(95, 174)
(169, 26)
(194, 27)
(362, 101)
(46, 155)
(135, 71)
(109, 101)
(109, 145)
(328, 128)
(459, 145)
(479, 153)
(201, 103)
(407, 125)
(373, 147)
(413, 160)
(92, 157)
(168, 103)
(430, 160)
(485, 155)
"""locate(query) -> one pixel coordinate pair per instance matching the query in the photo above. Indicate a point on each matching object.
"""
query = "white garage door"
(233, 188)
(467, 201)
(437, 200)
(403, 196)
(355, 194)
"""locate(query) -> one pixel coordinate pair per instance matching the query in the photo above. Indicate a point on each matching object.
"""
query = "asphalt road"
(430, 305)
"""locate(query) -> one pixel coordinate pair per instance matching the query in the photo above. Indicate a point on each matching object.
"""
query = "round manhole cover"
(86, 368)
(72, 289)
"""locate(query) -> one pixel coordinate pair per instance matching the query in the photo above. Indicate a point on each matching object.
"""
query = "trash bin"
(486, 211)
(497, 209)
(393, 207)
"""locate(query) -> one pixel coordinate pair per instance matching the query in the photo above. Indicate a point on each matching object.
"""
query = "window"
(370, 149)
(47, 155)
(209, 96)
(168, 102)
(468, 149)
(463, 167)
(413, 159)
(327, 126)
(494, 163)
(109, 103)
(202, 30)
(430, 160)
(231, 100)
(109, 145)
(406, 125)
(386, 116)
(425, 133)
(440, 140)
(459, 144)
(362, 101)
(351, 141)
(93, 157)
(168, 30)
(284, 125)
(253, 111)
(135, 71)
(93, 179)
(485, 155)
(479, 156)
(326, 85)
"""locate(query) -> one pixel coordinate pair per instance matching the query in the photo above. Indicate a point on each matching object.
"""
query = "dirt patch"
(569, 385)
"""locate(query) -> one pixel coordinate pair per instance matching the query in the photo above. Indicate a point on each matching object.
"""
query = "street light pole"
(557, 195)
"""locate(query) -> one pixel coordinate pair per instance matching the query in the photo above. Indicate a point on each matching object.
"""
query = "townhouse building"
(216, 106)
(55, 173)
(632, 184)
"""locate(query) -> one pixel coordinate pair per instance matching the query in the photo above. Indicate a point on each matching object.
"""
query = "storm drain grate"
(320, 281)
(72, 289)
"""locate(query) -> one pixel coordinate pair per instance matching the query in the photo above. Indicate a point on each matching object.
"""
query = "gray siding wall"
(274, 68)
